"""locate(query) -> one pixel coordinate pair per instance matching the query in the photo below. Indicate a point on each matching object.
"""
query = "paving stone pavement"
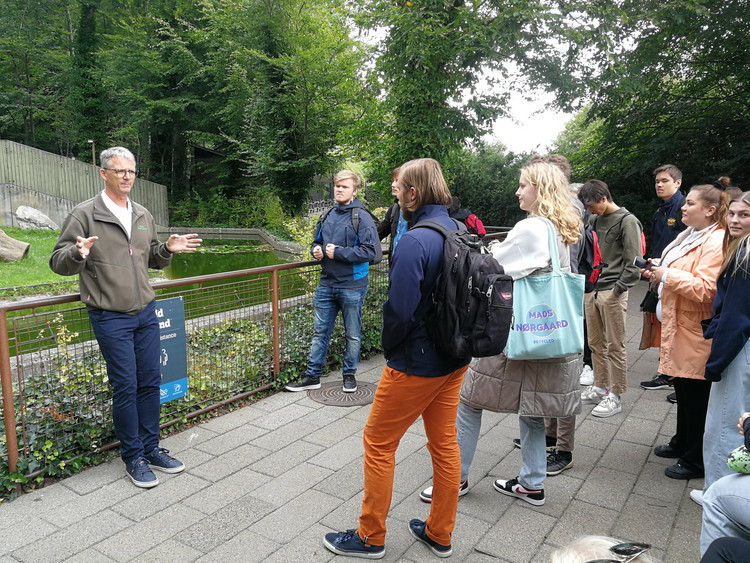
(266, 482)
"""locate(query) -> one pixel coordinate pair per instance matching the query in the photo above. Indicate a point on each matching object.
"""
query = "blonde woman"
(534, 389)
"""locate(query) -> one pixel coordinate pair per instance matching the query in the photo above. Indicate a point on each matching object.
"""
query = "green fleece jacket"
(114, 276)
(619, 236)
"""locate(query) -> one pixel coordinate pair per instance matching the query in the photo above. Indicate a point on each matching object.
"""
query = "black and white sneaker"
(426, 495)
(350, 384)
(304, 384)
(658, 382)
(558, 461)
(513, 488)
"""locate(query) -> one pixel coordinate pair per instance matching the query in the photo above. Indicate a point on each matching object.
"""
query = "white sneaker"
(591, 395)
(696, 495)
(587, 376)
(608, 407)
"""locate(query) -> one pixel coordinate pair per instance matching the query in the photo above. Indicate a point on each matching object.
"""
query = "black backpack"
(355, 223)
(472, 300)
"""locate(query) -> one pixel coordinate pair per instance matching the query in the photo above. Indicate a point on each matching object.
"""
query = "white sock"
(601, 390)
(615, 395)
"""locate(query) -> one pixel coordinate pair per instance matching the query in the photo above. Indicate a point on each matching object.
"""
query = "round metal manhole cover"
(331, 394)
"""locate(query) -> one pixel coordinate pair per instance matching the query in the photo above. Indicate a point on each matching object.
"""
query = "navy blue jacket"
(415, 267)
(350, 263)
(730, 321)
(667, 223)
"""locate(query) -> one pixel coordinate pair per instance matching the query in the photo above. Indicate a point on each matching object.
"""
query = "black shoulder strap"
(355, 220)
(434, 225)
(324, 215)
(438, 226)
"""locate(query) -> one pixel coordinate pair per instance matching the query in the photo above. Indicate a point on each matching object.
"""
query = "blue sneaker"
(348, 543)
(417, 529)
(140, 473)
(159, 459)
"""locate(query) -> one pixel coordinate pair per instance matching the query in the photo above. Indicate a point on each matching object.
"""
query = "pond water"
(216, 257)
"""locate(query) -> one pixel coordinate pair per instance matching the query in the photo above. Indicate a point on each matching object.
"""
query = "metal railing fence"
(244, 329)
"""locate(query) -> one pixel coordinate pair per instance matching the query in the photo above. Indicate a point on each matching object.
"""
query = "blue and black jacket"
(667, 223)
(349, 266)
(729, 326)
(414, 269)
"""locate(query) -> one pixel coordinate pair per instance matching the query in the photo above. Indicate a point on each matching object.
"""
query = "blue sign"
(173, 360)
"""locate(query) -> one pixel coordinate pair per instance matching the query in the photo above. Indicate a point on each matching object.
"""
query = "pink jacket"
(686, 299)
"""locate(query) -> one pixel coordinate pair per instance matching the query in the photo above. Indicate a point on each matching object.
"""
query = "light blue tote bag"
(547, 312)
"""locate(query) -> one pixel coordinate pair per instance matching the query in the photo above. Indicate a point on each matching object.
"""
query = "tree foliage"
(444, 69)
(669, 83)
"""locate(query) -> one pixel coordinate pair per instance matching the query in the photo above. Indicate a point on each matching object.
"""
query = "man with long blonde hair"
(419, 379)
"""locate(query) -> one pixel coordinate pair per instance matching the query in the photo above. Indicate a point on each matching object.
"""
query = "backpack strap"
(439, 227)
(355, 220)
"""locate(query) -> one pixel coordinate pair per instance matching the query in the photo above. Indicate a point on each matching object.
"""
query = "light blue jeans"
(328, 301)
(533, 445)
(729, 398)
(726, 509)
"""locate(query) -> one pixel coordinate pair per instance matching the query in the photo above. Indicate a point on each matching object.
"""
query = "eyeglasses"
(121, 172)
(625, 552)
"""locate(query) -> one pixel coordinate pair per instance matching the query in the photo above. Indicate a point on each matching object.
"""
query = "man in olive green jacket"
(110, 242)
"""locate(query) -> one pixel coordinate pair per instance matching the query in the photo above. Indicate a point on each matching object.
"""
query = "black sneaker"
(140, 473)
(350, 384)
(349, 543)
(658, 382)
(417, 529)
(550, 441)
(513, 488)
(426, 495)
(304, 384)
(558, 461)
(672, 398)
(160, 459)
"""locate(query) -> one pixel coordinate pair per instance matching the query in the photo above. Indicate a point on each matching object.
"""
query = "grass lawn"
(34, 269)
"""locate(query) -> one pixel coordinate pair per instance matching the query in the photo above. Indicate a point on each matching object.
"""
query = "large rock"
(30, 218)
(12, 250)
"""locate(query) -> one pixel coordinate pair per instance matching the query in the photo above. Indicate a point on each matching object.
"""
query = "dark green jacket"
(619, 236)
(114, 276)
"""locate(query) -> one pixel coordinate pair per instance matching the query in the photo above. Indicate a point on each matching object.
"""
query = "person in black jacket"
(666, 226)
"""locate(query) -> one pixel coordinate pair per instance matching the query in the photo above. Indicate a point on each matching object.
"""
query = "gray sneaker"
(591, 396)
(350, 384)
(609, 406)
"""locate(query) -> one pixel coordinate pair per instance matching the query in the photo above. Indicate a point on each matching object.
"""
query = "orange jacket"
(686, 299)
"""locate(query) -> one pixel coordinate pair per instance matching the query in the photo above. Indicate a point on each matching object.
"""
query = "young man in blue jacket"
(345, 258)
(667, 225)
(419, 379)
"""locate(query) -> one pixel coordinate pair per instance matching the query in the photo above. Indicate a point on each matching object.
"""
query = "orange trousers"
(399, 400)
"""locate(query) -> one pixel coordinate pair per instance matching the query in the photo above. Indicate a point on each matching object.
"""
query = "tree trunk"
(12, 250)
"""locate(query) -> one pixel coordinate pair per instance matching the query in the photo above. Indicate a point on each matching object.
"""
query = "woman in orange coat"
(686, 275)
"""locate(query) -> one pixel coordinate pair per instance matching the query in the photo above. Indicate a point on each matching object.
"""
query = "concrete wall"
(55, 184)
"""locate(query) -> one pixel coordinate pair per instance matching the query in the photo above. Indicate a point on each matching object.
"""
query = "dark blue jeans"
(328, 301)
(130, 346)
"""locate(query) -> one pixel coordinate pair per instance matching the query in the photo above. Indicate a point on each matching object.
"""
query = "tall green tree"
(444, 67)
(669, 82)
(36, 46)
(291, 86)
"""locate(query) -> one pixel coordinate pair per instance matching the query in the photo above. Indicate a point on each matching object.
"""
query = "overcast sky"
(532, 128)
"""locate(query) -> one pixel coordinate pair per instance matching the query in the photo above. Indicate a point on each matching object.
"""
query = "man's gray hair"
(106, 156)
